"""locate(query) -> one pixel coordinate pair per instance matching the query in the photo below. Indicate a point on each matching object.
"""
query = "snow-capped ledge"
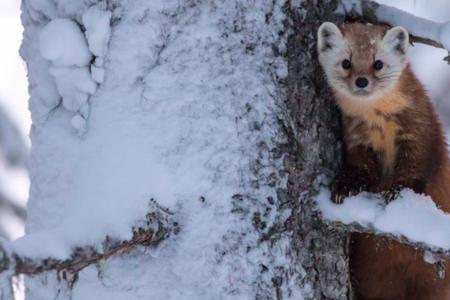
(411, 218)
(15, 257)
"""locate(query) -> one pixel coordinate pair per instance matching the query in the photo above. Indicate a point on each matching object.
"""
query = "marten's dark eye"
(346, 64)
(378, 65)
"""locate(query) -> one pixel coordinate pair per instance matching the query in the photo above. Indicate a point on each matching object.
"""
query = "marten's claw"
(337, 198)
(338, 193)
(391, 194)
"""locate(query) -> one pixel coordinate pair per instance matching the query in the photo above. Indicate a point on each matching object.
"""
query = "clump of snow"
(96, 21)
(79, 123)
(62, 42)
(74, 85)
(98, 73)
(411, 215)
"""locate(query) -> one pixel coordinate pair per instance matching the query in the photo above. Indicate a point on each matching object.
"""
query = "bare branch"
(158, 226)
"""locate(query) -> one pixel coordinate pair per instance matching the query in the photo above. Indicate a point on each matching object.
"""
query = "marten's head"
(362, 61)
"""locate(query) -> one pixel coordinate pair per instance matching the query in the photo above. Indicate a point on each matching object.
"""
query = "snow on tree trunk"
(218, 111)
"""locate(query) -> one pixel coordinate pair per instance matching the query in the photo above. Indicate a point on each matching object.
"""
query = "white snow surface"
(411, 215)
(185, 107)
(62, 42)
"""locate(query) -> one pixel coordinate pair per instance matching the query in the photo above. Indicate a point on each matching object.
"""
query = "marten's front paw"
(346, 184)
(337, 197)
(339, 191)
(391, 194)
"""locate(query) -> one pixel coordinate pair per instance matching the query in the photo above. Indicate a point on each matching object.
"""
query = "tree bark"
(312, 126)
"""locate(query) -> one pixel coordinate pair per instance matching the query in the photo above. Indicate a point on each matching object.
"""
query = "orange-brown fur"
(390, 143)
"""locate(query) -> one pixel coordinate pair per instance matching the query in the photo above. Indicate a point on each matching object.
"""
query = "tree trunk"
(263, 141)
(312, 127)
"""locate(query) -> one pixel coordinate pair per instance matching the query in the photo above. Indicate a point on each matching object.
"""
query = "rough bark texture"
(312, 126)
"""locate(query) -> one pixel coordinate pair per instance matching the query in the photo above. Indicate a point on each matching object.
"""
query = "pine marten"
(392, 140)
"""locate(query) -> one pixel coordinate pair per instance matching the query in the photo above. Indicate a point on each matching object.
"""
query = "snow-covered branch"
(411, 219)
(421, 30)
(158, 225)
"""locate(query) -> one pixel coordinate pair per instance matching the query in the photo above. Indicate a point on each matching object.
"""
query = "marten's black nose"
(361, 82)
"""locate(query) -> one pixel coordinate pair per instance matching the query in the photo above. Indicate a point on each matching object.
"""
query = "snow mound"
(74, 85)
(64, 45)
(411, 215)
(62, 42)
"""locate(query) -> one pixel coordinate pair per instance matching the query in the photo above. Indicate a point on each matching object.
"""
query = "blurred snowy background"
(15, 119)
(14, 123)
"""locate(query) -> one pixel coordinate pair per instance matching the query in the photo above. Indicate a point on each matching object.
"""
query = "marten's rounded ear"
(328, 36)
(397, 39)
